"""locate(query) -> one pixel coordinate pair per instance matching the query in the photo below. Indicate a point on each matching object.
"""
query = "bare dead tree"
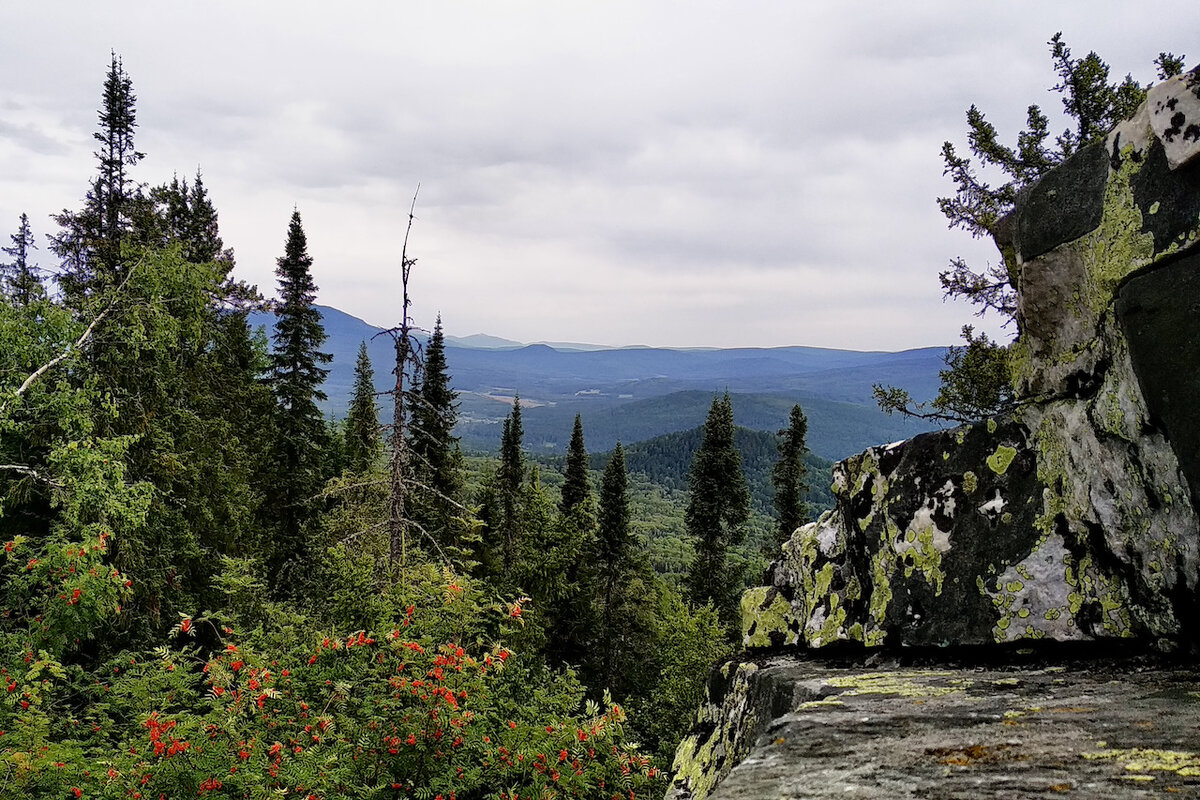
(408, 354)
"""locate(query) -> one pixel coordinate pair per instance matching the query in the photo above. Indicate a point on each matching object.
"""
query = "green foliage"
(614, 541)
(362, 422)
(977, 381)
(718, 506)
(975, 384)
(20, 281)
(1090, 101)
(788, 476)
(614, 551)
(296, 377)
(437, 465)
(690, 642)
(504, 528)
(91, 241)
(431, 702)
(575, 489)
(666, 460)
(187, 215)
(138, 435)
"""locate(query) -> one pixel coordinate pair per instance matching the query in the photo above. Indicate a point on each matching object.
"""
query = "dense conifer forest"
(209, 589)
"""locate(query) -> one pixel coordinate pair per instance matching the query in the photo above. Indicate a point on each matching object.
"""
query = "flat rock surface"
(1091, 730)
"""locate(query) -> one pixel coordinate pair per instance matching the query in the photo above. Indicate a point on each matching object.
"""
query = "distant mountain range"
(633, 394)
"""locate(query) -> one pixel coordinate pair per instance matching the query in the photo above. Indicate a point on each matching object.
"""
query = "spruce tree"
(575, 488)
(614, 551)
(21, 284)
(509, 477)
(177, 369)
(187, 217)
(788, 475)
(436, 457)
(296, 378)
(718, 505)
(362, 420)
(89, 243)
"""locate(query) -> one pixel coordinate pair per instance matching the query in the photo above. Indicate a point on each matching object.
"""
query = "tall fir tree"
(20, 283)
(178, 373)
(90, 241)
(436, 459)
(575, 488)
(362, 420)
(509, 478)
(788, 475)
(614, 550)
(296, 378)
(718, 505)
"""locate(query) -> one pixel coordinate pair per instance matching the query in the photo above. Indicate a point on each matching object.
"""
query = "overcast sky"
(662, 173)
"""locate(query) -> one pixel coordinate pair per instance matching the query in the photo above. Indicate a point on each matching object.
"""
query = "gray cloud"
(660, 172)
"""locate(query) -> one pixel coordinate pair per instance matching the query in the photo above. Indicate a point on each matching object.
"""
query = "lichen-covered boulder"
(940, 540)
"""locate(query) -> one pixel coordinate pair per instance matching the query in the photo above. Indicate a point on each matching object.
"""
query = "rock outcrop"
(1071, 519)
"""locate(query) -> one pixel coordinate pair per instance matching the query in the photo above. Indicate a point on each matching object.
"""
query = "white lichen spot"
(993, 508)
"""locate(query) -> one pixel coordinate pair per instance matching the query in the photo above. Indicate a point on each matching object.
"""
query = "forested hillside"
(665, 460)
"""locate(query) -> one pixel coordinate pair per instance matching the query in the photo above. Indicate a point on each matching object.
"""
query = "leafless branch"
(32, 473)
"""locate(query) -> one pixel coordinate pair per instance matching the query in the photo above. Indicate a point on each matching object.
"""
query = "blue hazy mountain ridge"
(636, 393)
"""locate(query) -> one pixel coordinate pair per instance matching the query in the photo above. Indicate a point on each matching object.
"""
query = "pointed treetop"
(575, 488)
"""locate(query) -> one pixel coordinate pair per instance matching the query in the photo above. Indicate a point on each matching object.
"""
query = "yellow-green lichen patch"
(999, 461)
(902, 684)
(825, 626)
(922, 550)
(1143, 760)
(1118, 246)
(765, 611)
(882, 565)
(1020, 364)
(1041, 596)
(970, 482)
(991, 425)
(828, 702)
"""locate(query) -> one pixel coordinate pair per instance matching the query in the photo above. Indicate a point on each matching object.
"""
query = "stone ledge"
(1094, 731)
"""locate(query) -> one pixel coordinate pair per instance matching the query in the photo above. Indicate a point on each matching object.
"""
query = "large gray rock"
(1089, 731)
(1071, 520)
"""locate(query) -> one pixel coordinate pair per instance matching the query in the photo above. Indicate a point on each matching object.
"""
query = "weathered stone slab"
(1160, 313)
(1167, 201)
(1083, 730)
(1064, 205)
